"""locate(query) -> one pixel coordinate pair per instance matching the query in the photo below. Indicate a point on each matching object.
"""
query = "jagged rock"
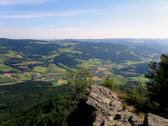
(154, 120)
(104, 108)
(109, 110)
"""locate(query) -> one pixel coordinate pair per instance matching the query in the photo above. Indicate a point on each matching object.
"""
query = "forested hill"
(47, 60)
(43, 82)
(116, 50)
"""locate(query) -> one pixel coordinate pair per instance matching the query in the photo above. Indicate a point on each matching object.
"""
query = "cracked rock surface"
(109, 110)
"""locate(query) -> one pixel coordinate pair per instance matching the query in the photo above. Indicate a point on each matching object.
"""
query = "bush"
(109, 83)
(136, 95)
(79, 81)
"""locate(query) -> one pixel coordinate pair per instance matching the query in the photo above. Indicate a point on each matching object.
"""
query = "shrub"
(109, 83)
(79, 81)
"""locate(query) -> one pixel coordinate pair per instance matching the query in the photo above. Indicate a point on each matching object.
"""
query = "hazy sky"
(59, 19)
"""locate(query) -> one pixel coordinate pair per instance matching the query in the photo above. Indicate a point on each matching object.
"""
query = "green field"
(90, 63)
(4, 79)
(142, 79)
(5, 68)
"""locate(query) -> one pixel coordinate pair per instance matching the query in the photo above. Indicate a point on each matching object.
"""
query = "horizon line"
(85, 38)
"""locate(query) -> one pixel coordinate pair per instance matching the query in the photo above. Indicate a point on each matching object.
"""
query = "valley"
(83, 63)
(42, 82)
(40, 60)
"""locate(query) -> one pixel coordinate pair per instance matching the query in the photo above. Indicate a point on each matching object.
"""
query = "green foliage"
(79, 82)
(136, 94)
(4, 79)
(158, 84)
(5, 67)
(53, 108)
(110, 83)
(53, 112)
(153, 96)
(44, 105)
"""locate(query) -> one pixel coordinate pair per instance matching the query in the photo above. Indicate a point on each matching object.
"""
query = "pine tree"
(158, 84)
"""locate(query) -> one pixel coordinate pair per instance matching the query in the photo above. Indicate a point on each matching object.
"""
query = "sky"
(83, 19)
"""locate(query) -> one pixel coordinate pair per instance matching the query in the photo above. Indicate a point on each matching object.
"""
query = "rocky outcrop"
(104, 108)
(154, 120)
(109, 109)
